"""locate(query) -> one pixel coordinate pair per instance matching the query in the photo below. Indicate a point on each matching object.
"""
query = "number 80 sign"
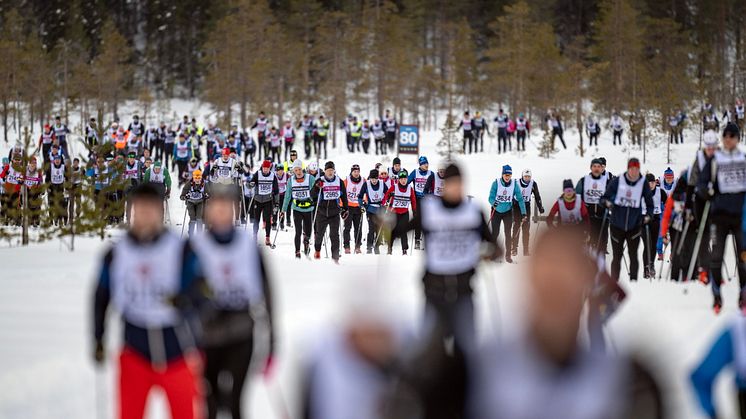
(409, 139)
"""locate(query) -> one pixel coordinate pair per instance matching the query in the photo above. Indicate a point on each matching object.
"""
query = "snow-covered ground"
(46, 296)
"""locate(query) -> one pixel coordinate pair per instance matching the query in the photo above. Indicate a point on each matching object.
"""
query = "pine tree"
(449, 143)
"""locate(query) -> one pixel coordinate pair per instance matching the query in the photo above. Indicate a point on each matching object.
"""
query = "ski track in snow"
(46, 296)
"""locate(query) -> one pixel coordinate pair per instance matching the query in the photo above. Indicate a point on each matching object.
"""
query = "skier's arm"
(343, 196)
(610, 194)
(493, 193)
(647, 195)
(537, 196)
(410, 178)
(584, 214)
(519, 198)
(704, 179)
(145, 178)
(703, 378)
(101, 298)
(579, 187)
(413, 200)
(429, 184)
(387, 195)
(363, 193)
(275, 187)
(184, 191)
(288, 193)
(666, 218)
(460, 124)
(48, 175)
(552, 213)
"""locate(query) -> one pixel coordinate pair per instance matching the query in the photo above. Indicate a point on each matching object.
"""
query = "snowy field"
(46, 296)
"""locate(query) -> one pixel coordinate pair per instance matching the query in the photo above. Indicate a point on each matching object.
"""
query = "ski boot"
(717, 305)
(347, 250)
(336, 261)
(646, 273)
(368, 250)
(508, 259)
(357, 250)
(306, 248)
(297, 254)
(514, 252)
(404, 252)
(317, 255)
(416, 245)
(377, 250)
(267, 241)
(388, 252)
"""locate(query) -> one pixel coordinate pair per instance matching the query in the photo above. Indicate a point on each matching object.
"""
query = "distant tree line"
(290, 57)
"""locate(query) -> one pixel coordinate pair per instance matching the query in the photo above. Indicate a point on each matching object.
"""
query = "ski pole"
(737, 257)
(698, 241)
(281, 216)
(660, 270)
(601, 230)
(648, 244)
(183, 221)
(248, 212)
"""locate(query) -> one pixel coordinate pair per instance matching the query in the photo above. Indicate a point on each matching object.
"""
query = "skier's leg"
(526, 227)
(401, 225)
(346, 232)
(718, 250)
(179, 382)
(320, 227)
(617, 248)
(515, 234)
(357, 221)
(298, 221)
(633, 243)
(214, 357)
(238, 362)
(267, 216)
(508, 224)
(135, 380)
(334, 235)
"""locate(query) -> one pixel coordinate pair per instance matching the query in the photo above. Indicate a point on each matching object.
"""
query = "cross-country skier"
(467, 124)
(140, 275)
(298, 198)
(392, 127)
(320, 136)
(266, 192)
(193, 193)
(288, 135)
(624, 197)
(438, 180)
(593, 129)
(591, 188)
(262, 129)
(56, 176)
(306, 124)
(379, 136)
(353, 185)
(651, 231)
(232, 295)
(331, 199)
(528, 187)
(617, 127)
(132, 177)
(480, 126)
(568, 208)
(454, 229)
(678, 229)
(723, 182)
(554, 122)
(370, 199)
(522, 130)
(282, 185)
(501, 122)
(504, 189)
(710, 141)
(400, 198)
(395, 168)
(60, 133)
(423, 180)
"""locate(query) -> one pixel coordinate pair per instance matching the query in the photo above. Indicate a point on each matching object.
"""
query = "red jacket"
(570, 206)
(412, 198)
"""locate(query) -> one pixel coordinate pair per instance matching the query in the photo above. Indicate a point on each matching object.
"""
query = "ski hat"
(452, 171)
(507, 170)
(668, 172)
(158, 163)
(567, 184)
(731, 130)
(329, 165)
(527, 172)
(596, 161)
(373, 174)
(279, 166)
(266, 164)
(146, 192)
(355, 167)
(710, 139)
(633, 162)
(403, 174)
(197, 175)
(422, 160)
(131, 155)
(57, 157)
(293, 152)
(396, 161)
(226, 151)
(602, 160)
(313, 166)
(650, 177)
(297, 164)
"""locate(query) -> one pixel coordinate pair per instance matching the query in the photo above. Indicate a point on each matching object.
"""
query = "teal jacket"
(503, 207)
(289, 194)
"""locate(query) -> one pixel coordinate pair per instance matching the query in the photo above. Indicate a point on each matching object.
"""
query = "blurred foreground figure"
(232, 294)
(350, 373)
(546, 373)
(455, 230)
(141, 274)
(729, 349)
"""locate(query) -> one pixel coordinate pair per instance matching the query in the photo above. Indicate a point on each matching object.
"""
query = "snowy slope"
(45, 298)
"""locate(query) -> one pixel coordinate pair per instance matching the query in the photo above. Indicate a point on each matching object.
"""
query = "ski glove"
(344, 214)
(99, 353)
(608, 204)
(541, 209)
(363, 208)
(646, 219)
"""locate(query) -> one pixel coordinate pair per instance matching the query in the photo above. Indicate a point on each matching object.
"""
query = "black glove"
(320, 183)
(251, 185)
(646, 219)
(183, 197)
(99, 354)
(541, 209)
(363, 208)
(344, 214)
(608, 204)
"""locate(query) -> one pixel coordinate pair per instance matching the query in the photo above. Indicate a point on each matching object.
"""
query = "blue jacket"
(703, 378)
(504, 207)
(627, 218)
(429, 183)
